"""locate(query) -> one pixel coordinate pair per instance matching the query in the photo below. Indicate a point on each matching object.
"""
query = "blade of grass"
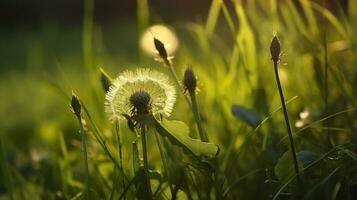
(213, 15)
(307, 167)
(297, 133)
(305, 4)
(247, 138)
(331, 18)
(225, 193)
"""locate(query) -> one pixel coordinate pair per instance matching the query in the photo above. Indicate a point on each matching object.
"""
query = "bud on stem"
(190, 81)
(275, 49)
(105, 80)
(76, 105)
(160, 47)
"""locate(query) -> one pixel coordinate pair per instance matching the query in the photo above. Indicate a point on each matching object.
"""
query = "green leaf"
(178, 134)
(284, 169)
(247, 115)
(306, 157)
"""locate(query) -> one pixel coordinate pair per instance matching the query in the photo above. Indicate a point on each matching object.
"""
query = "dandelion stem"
(191, 103)
(197, 116)
(292, 146)
(177, 81)
(85, 158)
(145, 158)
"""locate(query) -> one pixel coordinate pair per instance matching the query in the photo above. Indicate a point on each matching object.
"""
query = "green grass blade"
(213, 16)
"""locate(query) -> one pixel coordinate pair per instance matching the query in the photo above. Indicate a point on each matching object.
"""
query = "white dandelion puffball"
(129, 84)
(166, 35)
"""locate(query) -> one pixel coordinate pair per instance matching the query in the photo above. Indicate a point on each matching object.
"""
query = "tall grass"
(229, 53)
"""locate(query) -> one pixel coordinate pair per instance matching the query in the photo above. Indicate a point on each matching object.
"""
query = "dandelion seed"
(142, 91)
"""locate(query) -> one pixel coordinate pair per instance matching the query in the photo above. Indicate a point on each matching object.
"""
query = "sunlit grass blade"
(331, 18)
(297, 133)
(213, 16)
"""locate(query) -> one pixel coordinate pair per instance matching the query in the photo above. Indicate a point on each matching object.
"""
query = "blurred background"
(49, 48)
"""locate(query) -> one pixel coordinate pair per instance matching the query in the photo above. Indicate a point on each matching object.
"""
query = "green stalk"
(292, 145)
(197, 116)
(177, 81)
(145, 158)
(85, 158)
(191, 103)
(164, 161)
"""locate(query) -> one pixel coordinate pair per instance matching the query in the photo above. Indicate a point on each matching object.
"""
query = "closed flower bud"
(160, 47)
(189, 80)
(275, 49)
(76, 105)
(105, 80)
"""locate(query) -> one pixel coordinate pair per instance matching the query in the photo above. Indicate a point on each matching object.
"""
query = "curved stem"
(145, 158)
(292, 145)
(85, 158)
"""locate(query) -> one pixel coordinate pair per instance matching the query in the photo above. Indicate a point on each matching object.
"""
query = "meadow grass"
(249, 155)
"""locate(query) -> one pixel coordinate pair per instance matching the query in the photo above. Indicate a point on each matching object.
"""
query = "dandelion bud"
(160, 47)
(76, 105)
(275, 49)
(105, 80)
(189, 80)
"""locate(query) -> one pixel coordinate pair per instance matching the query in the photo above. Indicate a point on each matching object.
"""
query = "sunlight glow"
(165, 34)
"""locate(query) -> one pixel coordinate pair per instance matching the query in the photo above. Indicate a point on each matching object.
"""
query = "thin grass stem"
(177, 81)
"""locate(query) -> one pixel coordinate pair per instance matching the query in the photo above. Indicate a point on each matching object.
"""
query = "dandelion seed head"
(141, 91)
(140, 102)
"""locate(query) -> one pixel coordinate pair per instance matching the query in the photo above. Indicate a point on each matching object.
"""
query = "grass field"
(231, 113)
